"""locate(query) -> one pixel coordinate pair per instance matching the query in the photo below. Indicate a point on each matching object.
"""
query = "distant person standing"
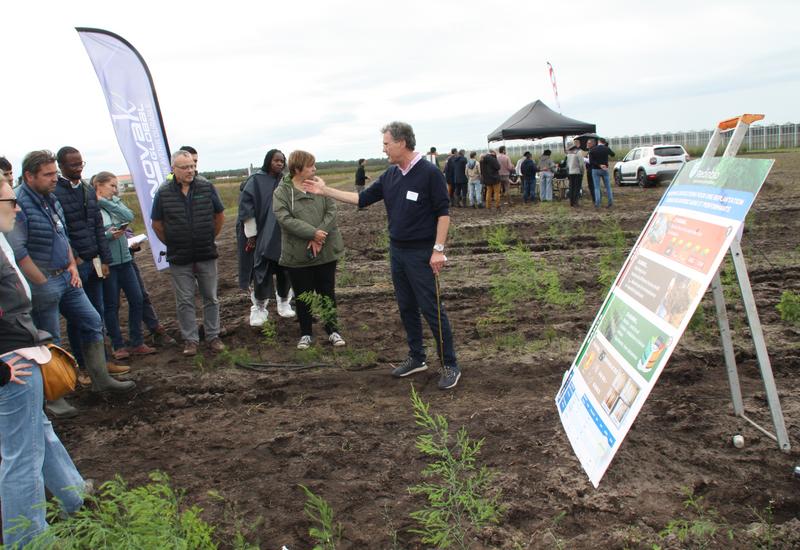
(418, 209)
(460, 178)
(546, 169)
(490, 169)
(361, 175)
(187, 216)
(432, 157)
(258, 237)
(474, 181)
(528, 171)
(449, 174)
(575, 168)
(588, 167)
(506, 167)
(598, 159)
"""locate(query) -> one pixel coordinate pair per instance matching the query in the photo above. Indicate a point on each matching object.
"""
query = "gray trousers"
(183, 282)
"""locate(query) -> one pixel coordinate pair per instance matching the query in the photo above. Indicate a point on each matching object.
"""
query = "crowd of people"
(64, 251)
(486, 180)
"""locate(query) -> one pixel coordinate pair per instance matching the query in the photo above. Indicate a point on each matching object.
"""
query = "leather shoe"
(190, 349)
(216, 345)
(116, 370)
(142, 349)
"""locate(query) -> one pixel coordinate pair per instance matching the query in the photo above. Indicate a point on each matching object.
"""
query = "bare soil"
(348, 433)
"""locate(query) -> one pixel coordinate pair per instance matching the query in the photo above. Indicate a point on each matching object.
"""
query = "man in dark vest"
(187, 216)
(42, 250)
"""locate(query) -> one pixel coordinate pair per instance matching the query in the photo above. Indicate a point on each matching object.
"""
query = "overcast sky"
(237, 78)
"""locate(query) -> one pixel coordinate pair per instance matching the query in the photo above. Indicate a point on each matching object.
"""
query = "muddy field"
(347, 431)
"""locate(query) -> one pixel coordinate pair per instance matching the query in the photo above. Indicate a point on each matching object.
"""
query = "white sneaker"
(285, 308)
(305, 342)
(336, 339)
(258, 316)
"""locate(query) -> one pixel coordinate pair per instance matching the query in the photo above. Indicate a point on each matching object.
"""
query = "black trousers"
(574, 189)
(590, 181)
(320, 279)
(262, 289)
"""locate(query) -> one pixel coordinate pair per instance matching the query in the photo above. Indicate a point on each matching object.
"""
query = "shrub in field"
(499, 238)
(789, 307)
(269, 333)
(460, 499)
(702, 530)
(324, 532)
(322, 307)
(123, 518)
(529, 278)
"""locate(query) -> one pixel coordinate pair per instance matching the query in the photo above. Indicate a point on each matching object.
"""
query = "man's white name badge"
(412, 196)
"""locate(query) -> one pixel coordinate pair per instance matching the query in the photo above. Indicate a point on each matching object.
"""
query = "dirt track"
(348, 433)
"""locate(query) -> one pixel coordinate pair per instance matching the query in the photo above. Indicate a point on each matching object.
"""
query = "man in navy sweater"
(415, 195)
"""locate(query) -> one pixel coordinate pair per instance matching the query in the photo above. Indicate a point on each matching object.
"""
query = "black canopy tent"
(537, 120)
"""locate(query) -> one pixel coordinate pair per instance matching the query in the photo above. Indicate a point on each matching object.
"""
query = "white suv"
(650, 164)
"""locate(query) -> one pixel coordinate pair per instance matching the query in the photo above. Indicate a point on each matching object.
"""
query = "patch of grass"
(562, 225)
(764, 530)
(612, 237)
(231, 357)
(789, 307)
(460, 498)
(312, 354)
(700, 530)
(349, 358)
(323, 531)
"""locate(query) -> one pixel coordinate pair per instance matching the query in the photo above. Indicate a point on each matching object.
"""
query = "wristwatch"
(438, 247)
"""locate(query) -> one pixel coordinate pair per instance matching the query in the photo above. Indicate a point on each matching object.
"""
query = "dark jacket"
(40, 228)
(490, 168)
(598, 155)
(460, 169)
(528, 168)
(188, 221)
(16, 325)
(84, 221)
(448, 169)
(361, 175)
(255, 201)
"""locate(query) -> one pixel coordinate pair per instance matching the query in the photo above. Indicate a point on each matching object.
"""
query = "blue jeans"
(149, 316)
(57, 295)
(415, 291)
(93, 287)
(32, 458)
(546, 183)
(123, 276)
(475, 197)
(597, 175)
(529, 189)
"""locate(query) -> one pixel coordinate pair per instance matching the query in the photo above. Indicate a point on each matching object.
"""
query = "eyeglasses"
(12, 201)
(186, 167)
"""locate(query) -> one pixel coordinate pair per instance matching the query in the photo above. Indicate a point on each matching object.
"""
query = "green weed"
(306, 356)
(499, 237)
(612, 237)
(322, 307)
(349, 358)
(269, 333)
(460, 499)
(765, 530)
(702, 528)
(150, 516)
(231, 357)
(789, 307)
(324, 532)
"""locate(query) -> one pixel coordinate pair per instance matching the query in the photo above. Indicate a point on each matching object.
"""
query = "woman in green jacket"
(121, 276)
(310, 246)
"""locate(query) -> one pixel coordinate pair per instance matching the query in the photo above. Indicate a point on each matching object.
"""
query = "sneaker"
(409, 366)
(190, 349)
(336, 339)
(449, 378)
(258, 316)
(142, 349)
(305, 342)
(121, 353)
(216, 345)
(285, 308)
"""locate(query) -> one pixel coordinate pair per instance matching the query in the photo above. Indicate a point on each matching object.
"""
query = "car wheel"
(618, 178)
(641, 179)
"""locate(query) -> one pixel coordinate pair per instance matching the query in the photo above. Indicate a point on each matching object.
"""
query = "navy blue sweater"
(414, 203)
(87, 235)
